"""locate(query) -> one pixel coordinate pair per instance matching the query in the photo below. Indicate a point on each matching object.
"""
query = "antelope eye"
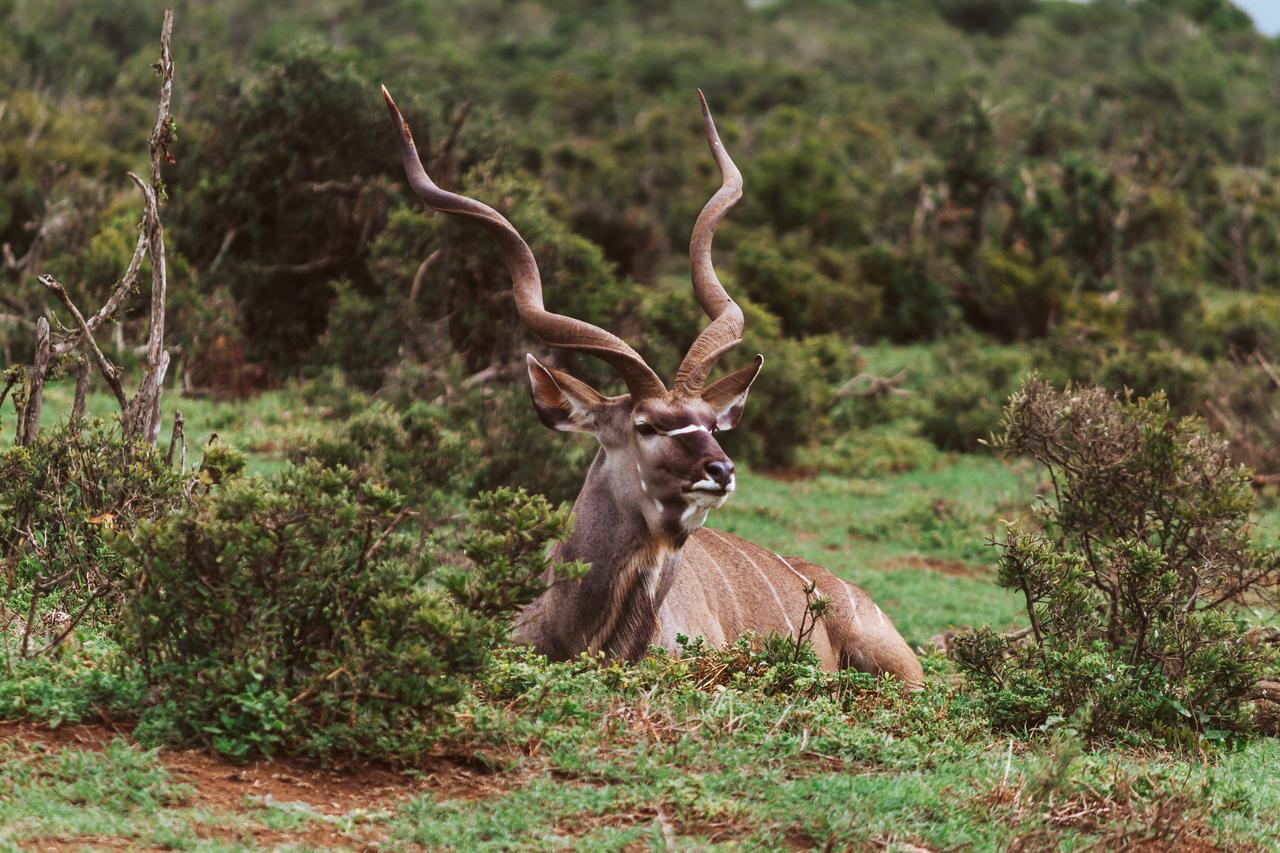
(645, 429)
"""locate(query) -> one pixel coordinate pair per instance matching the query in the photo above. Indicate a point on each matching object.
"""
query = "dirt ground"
(241, 789)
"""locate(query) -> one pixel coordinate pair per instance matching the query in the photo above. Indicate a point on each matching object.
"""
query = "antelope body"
(655, 570)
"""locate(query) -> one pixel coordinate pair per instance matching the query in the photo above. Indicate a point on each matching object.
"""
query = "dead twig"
(105, 367)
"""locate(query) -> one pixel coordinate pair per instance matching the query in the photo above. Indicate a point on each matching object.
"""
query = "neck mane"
(614, 607)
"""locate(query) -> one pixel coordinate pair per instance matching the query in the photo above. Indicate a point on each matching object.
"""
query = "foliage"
(292, 615)
(1127, 586)
(64, 499)
(962, 403)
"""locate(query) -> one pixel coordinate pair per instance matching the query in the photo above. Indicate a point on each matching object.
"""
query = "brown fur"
(711, 584)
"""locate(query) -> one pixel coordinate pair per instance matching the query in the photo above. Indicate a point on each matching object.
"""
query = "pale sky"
(1265, 13)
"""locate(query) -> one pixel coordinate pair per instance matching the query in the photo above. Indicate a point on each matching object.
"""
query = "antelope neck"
(632, 569)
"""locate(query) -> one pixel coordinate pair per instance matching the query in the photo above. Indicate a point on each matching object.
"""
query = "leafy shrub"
(870, 453)
(292, 614)
(1014, 300)
(914, 304)
(95, 681)
(1128, 585)
(1243, 403)
(810, 291)
(994, 17)
(64, 498)
(962, 403)
(1152, 366)
(415, 452)
(1247, 325)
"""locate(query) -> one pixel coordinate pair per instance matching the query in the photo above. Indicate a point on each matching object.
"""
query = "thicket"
(319, 611)
(1068, 178)
(295, 615)
(1138, 582)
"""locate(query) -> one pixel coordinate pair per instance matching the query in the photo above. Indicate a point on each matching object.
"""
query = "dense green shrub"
(1151, 365)
(869, 453)
(914, 304)
(962, 403)
(64, 499)
(1243, 403)
(1128, 587)
(293, 614)
(810, 291)
(415, 452)
(1247, 325)
(1014, 300)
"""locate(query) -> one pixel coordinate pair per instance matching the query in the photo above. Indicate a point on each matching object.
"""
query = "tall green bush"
(1129, 587)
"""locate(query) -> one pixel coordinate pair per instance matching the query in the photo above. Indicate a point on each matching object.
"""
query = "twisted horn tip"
(395, 114)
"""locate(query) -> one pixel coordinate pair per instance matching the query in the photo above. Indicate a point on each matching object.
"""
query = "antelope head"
(660, 453)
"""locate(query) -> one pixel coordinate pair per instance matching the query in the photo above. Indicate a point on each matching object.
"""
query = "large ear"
(728, 395)
(562, 402)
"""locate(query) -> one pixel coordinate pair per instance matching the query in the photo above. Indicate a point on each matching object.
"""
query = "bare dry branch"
(83, 376)
(105, 367)
(142, 414)
(178, 437)
(29, 422)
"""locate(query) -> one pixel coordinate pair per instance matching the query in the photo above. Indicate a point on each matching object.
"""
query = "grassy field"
(664, 755)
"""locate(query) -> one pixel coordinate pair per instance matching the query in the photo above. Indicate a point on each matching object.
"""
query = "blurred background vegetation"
(941, 195)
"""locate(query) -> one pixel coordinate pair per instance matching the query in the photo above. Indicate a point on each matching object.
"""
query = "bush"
(915, 305)
(962, 403)
(870, 453)
(1243, 402)
(292, 614)
(415, 452)
(1128, 585)
(64, 498)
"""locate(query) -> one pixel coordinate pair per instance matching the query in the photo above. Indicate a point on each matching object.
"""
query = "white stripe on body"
(807, 583)
(781, 607)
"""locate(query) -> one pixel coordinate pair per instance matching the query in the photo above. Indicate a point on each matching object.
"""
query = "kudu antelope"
(655, 571)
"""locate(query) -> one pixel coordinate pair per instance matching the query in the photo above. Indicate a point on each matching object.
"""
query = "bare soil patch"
(221, 784)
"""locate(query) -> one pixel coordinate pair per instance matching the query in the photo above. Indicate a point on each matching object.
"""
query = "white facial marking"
(657, 504)
(644, 487)
(709, 485)
(684, 429)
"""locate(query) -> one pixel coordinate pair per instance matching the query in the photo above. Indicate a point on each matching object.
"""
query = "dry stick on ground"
(179, 436)
(84, 374)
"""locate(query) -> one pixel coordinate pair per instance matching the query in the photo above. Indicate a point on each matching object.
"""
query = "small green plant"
(1129, 585)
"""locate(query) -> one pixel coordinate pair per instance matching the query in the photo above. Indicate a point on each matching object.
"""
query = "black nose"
(721, 472)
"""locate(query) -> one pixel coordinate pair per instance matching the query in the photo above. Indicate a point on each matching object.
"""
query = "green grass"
(590, 756)
(584, 756)
(883, 533)
(264, 427)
